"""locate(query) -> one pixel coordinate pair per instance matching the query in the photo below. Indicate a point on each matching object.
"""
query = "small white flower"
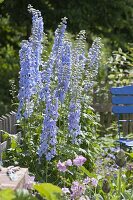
(66, 190)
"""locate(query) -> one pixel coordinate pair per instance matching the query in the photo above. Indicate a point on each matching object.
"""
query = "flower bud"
(106, 186)
(120, 158)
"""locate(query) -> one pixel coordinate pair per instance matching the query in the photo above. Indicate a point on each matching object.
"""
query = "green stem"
(46, 172)
(119, 187)
(64, 179)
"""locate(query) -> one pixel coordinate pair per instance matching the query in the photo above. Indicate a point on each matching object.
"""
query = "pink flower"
(79, 160)
(61, 166)
(68, 162)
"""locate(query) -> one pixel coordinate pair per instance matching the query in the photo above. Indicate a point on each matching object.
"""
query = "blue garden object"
(122, 100)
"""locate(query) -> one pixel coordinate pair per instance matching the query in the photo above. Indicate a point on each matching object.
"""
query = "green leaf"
(23, 194)
(13, 143)
(130, 154)
(7, 194)
(83, 169)
(48, 190)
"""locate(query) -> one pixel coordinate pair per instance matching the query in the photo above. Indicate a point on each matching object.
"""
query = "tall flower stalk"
(30, 61)
(49, 132)
(64, 71)
(26, 82)
(78, 62)
(48, 137)
(93, 61)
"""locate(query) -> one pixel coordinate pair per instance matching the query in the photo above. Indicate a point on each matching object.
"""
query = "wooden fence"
(7, 124)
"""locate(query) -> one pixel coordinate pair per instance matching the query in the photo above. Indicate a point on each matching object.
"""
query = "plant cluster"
(59, 127)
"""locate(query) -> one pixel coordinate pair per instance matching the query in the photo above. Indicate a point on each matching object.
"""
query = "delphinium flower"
(64, 71)
(74, 120)
(36, 41)
(79, 52)
(62, 61)
(59, 36)
(49, 133)
(27, 81)
(49, 68)
(95, 53)
(30, 60)
(91, 70)
(78, 62)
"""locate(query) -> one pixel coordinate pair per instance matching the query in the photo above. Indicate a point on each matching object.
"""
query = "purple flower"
(61, 166)
(68, 162)
(79, 160)
(86, 180)
(94, 182)
(77, 189)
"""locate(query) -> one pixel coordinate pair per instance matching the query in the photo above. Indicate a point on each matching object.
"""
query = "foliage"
(108, 19)
(48, 190)
(120, 67)
(7, 194)
(9, 63)
(45, 190)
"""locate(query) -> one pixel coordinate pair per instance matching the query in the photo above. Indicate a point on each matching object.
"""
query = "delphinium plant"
(58, 124)
(54, 111)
